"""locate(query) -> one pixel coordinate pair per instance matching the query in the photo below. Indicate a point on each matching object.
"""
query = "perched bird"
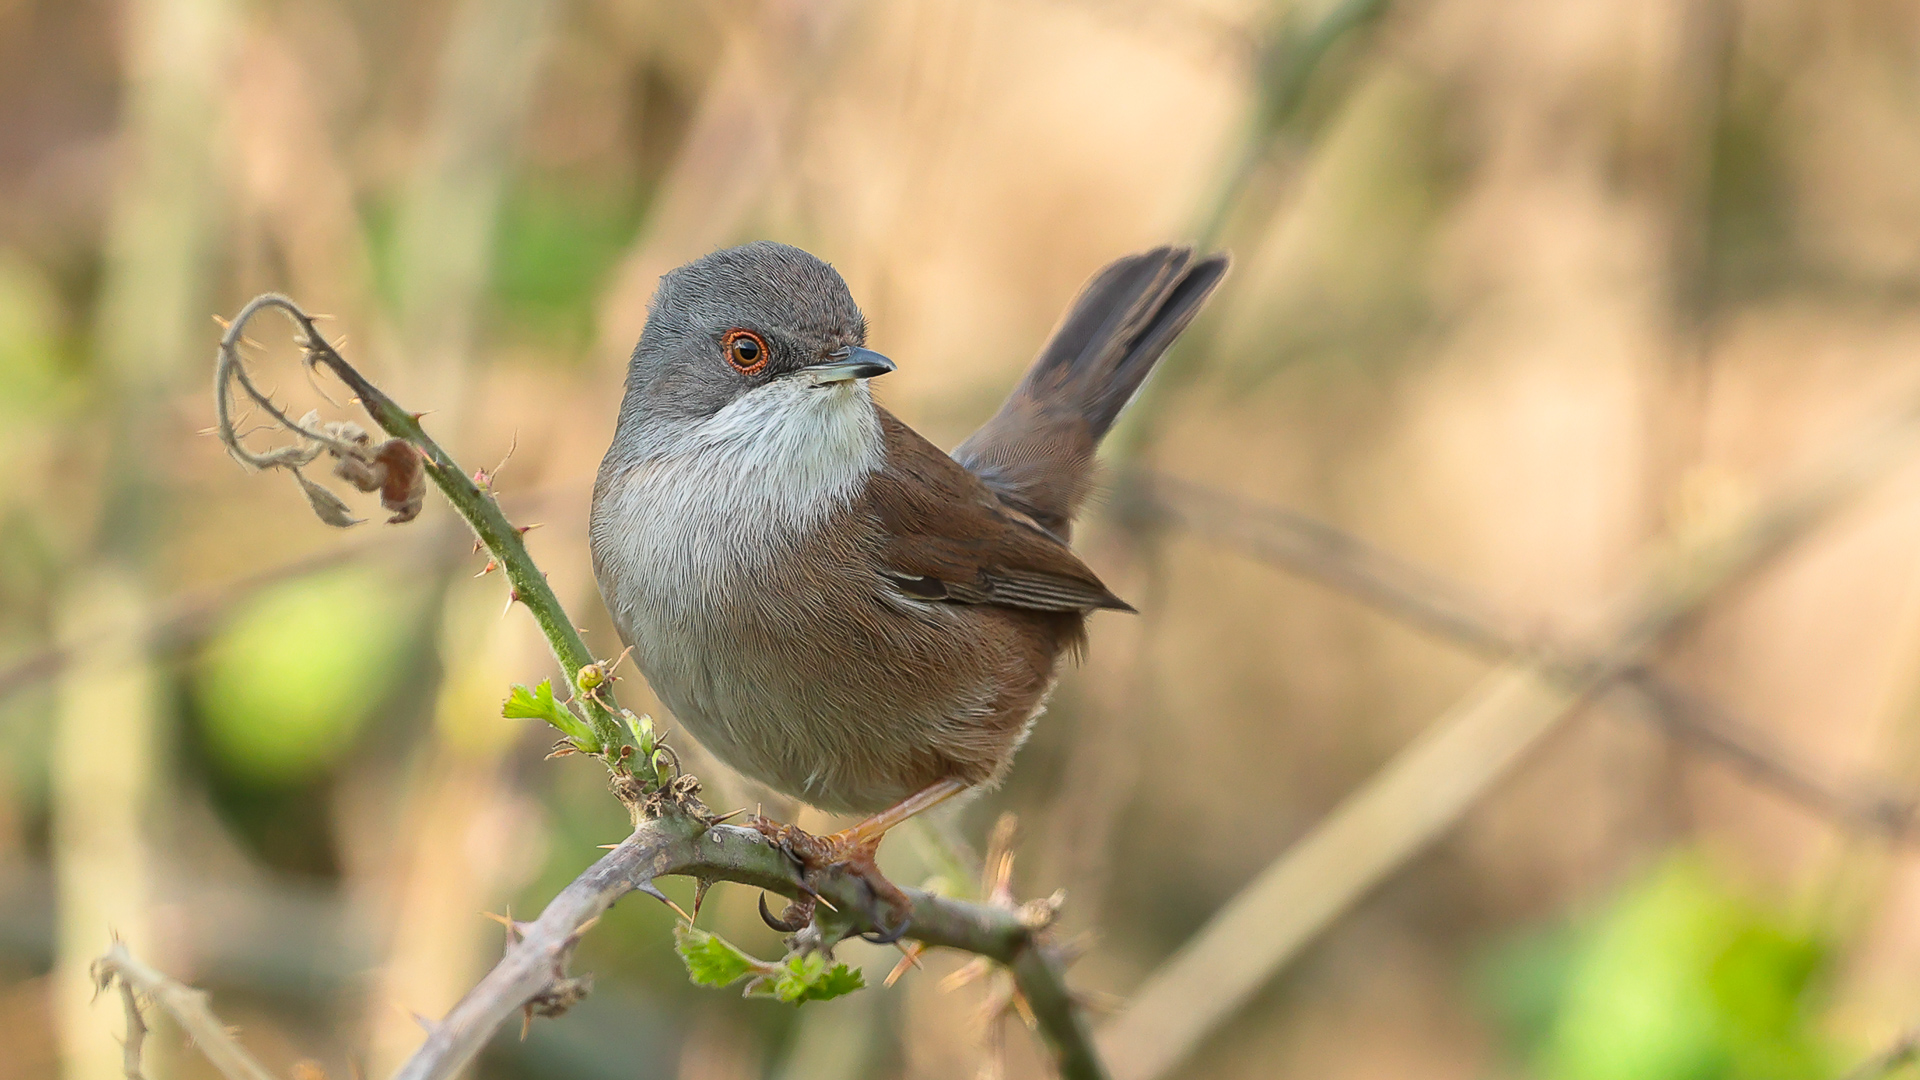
(831, 604)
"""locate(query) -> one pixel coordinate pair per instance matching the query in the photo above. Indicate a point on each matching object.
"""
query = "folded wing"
(946, 536)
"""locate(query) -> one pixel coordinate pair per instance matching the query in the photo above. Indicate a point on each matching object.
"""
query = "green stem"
(502, 539)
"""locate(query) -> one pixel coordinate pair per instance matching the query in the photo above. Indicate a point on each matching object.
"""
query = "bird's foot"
(849, 852)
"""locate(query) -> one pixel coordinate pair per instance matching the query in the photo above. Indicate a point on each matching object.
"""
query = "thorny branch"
(187, 1006)
(681, 840)
(1343, 562)
(363, 464)
(673, 833)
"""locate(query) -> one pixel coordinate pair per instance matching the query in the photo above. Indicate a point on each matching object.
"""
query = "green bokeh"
(1679, 979)
(34, 382)
(289, 681)
(555, 247)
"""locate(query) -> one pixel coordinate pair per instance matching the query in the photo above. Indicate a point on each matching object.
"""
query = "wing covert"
(946, 536)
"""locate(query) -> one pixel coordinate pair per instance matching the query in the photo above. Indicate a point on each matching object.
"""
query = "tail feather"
(1037, 452)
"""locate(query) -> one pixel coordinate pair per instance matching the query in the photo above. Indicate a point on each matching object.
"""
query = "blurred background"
(1524, 291)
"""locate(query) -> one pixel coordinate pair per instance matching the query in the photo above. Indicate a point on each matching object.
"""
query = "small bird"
(827, 601)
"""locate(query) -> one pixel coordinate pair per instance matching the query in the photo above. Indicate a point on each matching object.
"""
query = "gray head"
(737, 320)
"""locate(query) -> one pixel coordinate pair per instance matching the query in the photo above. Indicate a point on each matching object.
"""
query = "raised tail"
(1037, 451)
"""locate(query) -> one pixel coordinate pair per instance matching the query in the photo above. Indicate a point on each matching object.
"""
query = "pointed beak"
(848, 363)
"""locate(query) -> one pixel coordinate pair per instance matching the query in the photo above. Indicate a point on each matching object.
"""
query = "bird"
(830, 603)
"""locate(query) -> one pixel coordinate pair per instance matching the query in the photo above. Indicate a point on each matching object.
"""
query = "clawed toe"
(798, 914)
(847, 853)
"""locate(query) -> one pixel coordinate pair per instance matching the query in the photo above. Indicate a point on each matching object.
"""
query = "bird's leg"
(869, 832)
(852, 850)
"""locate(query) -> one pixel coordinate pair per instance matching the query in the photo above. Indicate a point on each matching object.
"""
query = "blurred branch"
(1159, 22)
(1307, 546)
(736, 146)
(1348, 564)
(105, 780)
(682, 840)
(1904, 1051)
(33, 668)
(1284, 64)
(1288, 53)
(1709, 726)
(187, 1006)
(483, 91)
(1425, 788)
(288, 939)
(183, 616)
(135, 1041)
(103, 788)
(1289, 57)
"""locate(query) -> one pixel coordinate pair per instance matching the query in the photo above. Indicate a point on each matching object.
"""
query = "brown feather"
(854, 641)
(938, 521)
(1038, 451)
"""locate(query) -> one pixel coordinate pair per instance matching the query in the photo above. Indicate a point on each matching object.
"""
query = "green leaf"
(808, 978)
(641, 728)
(713, 960)
(538, 704)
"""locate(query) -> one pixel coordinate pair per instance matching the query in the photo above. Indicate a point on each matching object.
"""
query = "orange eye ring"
(746, 351)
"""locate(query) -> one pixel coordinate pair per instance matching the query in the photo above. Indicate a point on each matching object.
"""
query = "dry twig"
(503, 541)
(187, 1006)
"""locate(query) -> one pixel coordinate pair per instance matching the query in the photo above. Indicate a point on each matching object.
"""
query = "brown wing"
(946, 536)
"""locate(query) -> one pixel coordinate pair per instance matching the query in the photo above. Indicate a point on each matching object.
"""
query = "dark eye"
(745, 351)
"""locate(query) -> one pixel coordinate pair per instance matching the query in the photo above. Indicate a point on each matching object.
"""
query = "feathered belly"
(809, 681)
(745, 580)
(805, 699)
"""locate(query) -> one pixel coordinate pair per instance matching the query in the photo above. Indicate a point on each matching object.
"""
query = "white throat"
(790, 451)
(733, 491)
